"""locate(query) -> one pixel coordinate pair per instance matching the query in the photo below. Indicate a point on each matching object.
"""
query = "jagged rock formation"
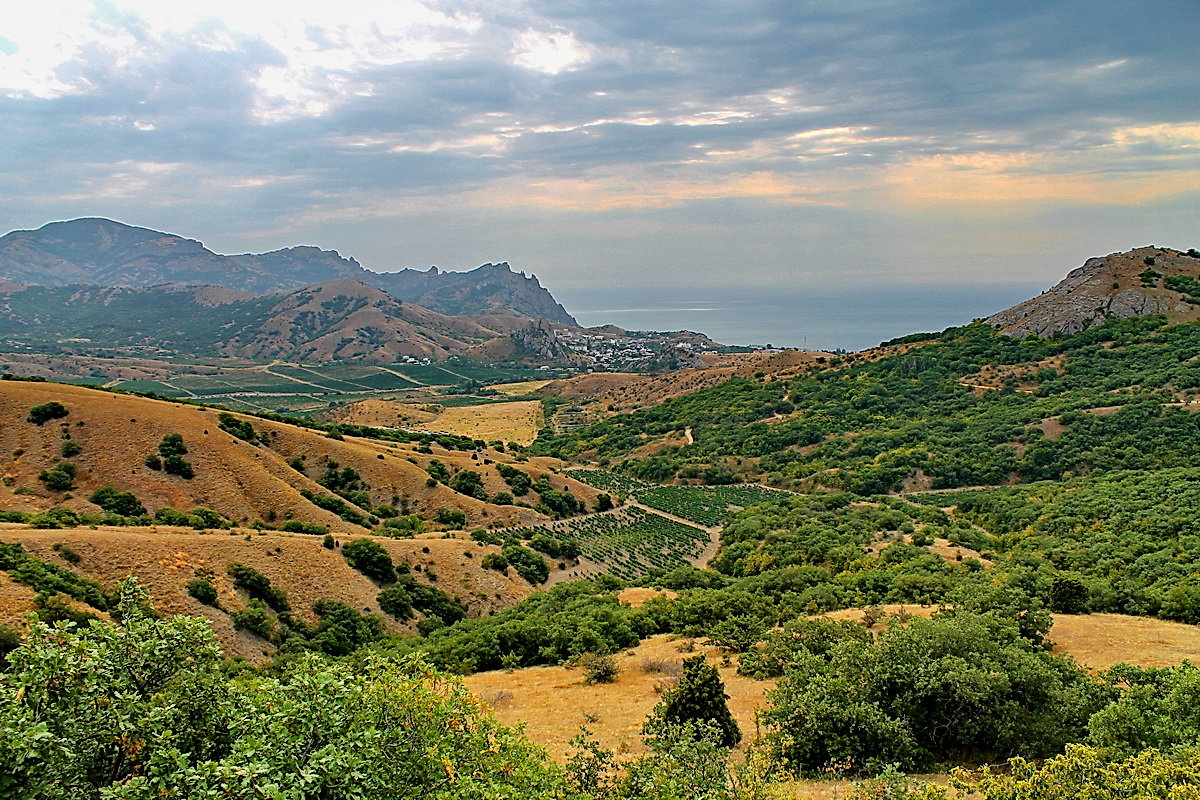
(1111, 287)
(493, 289)
(102, 252)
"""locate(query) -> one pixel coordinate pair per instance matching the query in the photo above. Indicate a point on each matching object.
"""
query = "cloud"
(255, 118)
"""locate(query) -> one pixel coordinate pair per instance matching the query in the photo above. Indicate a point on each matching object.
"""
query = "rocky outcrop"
(1111, 287)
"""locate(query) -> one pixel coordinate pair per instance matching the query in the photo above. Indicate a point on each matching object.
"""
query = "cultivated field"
(518, 421)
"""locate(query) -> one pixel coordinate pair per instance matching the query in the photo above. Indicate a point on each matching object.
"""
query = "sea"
(826, 318)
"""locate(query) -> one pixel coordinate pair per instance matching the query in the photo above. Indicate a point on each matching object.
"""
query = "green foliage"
(1087, 772)
(47, 578)
(60, 478)
(69, 448)
(335, 505)
(203, 590)
(962, 687)
(170, 458)
(237, 427)
(258, 586)
(368, 557)
(145, 710)
(528, 564)
(255, 619)
(699, 697)
(299, 526)
(549, 627)
(517, 480)
(450, 517)
(407, 525)
(470, 483)
(45, 412)
(438, 471)
(123, 504)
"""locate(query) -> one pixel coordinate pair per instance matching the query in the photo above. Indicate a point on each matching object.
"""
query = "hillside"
(240, 480)
(102, 252)
(1146, 280)
(165, 559)
(340, 320)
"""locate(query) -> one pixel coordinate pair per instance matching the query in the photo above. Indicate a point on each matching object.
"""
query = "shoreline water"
(825, 318)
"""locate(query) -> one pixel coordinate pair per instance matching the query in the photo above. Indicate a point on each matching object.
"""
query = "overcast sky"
(602, 143)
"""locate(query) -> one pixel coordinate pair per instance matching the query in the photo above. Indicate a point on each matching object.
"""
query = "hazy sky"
(691, 143)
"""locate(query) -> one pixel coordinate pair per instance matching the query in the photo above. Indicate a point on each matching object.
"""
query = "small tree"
(699, 697)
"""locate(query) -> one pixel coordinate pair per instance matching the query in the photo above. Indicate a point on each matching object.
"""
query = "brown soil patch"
(636, 596)
(554, 702)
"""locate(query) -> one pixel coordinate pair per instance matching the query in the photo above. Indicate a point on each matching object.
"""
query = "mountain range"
(101, 252)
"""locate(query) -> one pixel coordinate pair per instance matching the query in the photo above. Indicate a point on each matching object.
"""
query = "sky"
(609, 143)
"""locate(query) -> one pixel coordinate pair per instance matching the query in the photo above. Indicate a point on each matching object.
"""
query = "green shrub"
(69, 448)
(42, 414)
(598, 667)
(468, 482)
(451, 517)
(255, 619)
(370, 558)
(528, 564)
(239, 428)
(299, 526)
(698, 697)
(395, 600)
(123, 504)
(258, 587)
(203, 590)
(60, 478)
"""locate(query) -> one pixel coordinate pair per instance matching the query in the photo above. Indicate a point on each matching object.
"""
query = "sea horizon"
(822, 318)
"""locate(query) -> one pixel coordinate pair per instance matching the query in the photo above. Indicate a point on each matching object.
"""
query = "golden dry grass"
(241, 481)
(165, 559)
(519, 388)
(1101, 640)
(554, 702)
(518, 421)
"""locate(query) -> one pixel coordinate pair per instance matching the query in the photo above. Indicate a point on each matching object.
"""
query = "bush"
(258, 586)
(528, 564)
(299, 526)
(237, 427)
(369, 558)
(395, 600)
(70, 448)
(451, 517)
(329, 543)
(468, 482)
(123, 504)
(60, 478)
(256, 620)
(203, 590)
(170, 457)
(42, 414)
(598, 668)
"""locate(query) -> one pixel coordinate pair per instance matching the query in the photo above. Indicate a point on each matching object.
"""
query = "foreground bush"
(144, 710)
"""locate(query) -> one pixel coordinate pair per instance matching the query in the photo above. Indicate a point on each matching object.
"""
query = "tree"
(699, 697)
(123, 504)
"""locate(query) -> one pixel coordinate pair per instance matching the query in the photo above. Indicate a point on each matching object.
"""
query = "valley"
(921, 517)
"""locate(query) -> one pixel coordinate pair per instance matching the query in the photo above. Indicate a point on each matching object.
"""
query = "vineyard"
(709, 506)
(607, 481)
(629, 542)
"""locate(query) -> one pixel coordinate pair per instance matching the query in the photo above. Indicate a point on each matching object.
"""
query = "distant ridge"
(1146, 280)
(102, 252)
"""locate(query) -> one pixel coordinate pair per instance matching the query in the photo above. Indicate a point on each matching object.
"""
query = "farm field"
(517, 421)
(709, 506)
(628, 542)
